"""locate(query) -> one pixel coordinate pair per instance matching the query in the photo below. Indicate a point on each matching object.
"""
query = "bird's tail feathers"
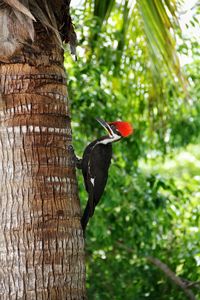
(88, 213)
(85, 218)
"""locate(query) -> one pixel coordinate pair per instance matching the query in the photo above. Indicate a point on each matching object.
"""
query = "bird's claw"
(77, 161)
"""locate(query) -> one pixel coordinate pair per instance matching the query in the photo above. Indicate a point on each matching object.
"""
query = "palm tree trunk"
(41, 240)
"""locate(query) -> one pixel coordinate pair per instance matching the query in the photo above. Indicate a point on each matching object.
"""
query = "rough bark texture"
(41, 240)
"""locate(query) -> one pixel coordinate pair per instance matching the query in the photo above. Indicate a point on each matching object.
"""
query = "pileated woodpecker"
(96, 161)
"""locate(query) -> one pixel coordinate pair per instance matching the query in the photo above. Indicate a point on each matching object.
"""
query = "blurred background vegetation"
(139, 61)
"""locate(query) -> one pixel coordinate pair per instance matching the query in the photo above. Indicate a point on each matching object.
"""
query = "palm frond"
(159, 20)
(53, 15)
(102, 9)
(123, 32)
(18, 7)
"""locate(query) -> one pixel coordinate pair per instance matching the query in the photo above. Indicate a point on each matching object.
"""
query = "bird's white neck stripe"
(111, 139)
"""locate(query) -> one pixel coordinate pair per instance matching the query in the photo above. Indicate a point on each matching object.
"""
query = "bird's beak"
(106, 126)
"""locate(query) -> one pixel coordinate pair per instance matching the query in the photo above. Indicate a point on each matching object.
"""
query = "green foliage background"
(151, 204)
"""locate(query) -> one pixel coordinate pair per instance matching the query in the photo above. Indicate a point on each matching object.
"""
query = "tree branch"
(168, 272)
(195, 283)
(171, 275)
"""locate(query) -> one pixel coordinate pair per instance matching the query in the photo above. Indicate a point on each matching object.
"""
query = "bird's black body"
(95, 164)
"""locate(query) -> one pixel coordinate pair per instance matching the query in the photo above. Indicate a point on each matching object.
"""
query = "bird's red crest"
(124, 128)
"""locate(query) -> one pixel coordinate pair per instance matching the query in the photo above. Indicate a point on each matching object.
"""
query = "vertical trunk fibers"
(41, 240)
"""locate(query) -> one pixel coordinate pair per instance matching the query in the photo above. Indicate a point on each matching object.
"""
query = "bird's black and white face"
(113, 133)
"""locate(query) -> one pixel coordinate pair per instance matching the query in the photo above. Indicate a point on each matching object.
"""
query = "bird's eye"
(115, 130)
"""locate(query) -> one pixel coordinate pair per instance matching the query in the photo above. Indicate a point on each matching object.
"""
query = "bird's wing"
(98, 166)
